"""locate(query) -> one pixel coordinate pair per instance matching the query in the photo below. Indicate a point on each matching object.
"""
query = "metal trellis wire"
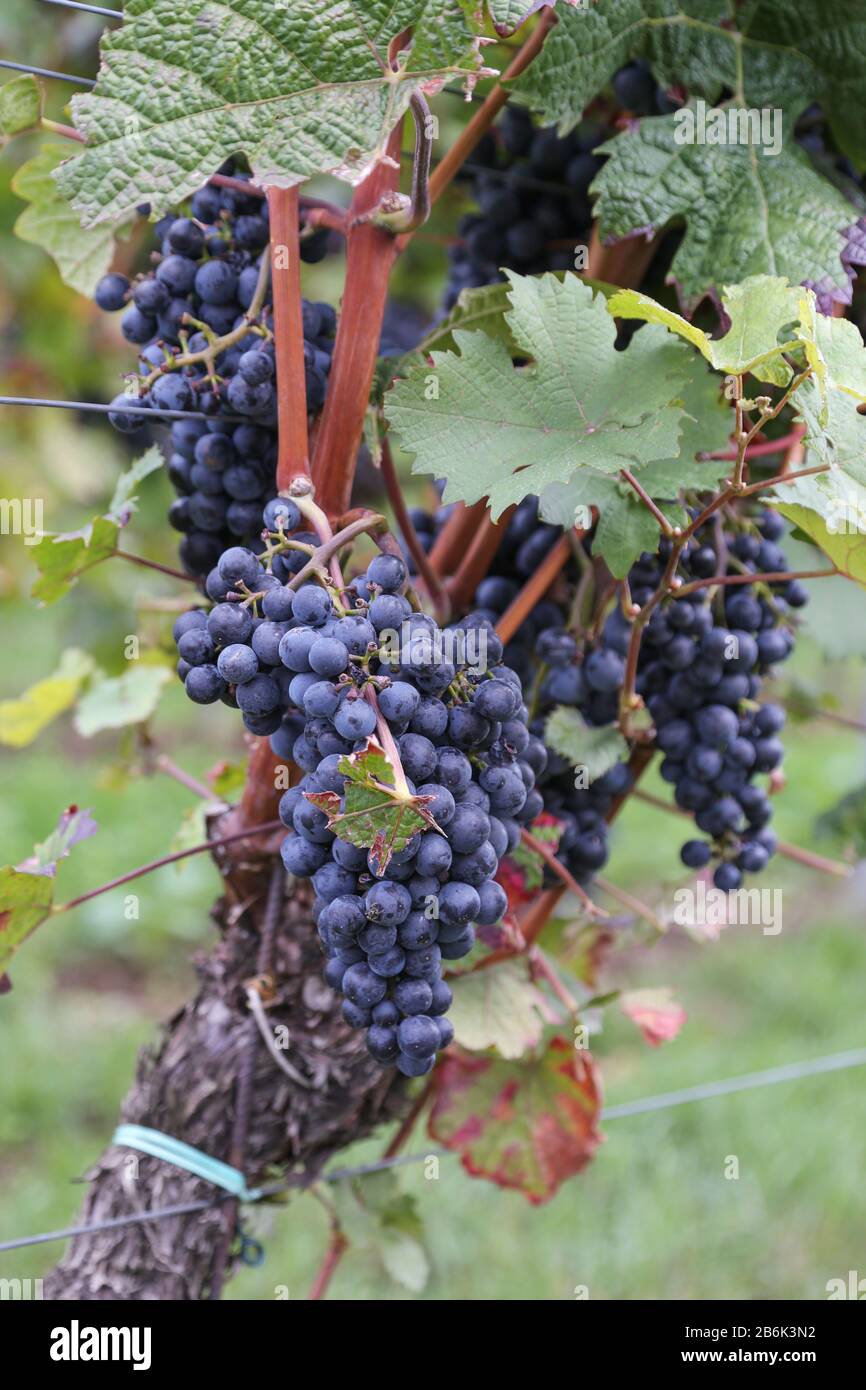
(711, 1090)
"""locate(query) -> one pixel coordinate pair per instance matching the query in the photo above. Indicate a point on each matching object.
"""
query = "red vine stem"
(409, 1120)
(650, 505)
(773, 577)
(370, 254)
(267, 828)
(413, 545)
(456, 535)
(782, 478)
(476, 562)
(535, 588)
(562, 873)
(767, 446)
(337, 1246)
(292, 460)
(261, 795)
(622, 263)
(151, 565)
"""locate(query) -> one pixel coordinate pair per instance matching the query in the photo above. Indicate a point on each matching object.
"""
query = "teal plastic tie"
(159, 1145)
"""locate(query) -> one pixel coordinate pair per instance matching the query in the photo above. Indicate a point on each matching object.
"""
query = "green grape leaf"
(27, 892)
(766, 54)
(547, 830)
(846, 821)
(626, 527)
(62, 559)
(830, 507)
(23, 719)
(20, 106)
(596, 750)
(376, 1216)
(374, 813)
(496, 431)
(745, 214)
(25, 903)
(123, 502)
(760, 309)
(227, 780)
(485, 309)
(82, 254)
(523, 1124)
(300, 88)
(835, 431)
(497, 1008)
(115, 701)
(509, 15)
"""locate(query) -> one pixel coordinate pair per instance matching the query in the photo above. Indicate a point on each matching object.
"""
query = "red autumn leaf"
(526, 1124)
(656, 1013)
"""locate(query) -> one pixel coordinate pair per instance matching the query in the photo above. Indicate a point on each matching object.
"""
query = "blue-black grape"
(210, 273)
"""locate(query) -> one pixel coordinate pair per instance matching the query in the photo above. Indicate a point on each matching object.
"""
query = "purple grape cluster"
(222, 469)
(701, 672)
(531, 187)
(302, 664)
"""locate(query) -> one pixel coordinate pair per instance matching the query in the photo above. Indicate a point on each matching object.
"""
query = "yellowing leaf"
(24, 718)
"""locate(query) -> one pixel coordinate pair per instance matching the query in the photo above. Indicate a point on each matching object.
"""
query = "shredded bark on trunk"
(185, 1086)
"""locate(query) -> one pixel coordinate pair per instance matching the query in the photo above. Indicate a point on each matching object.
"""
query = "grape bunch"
(701, 672)
(322, 672)
(532, 191)
(545, 655)
(531, 187)
(223, 469)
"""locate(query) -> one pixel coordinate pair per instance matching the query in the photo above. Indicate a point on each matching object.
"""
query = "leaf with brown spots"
(528, 1124)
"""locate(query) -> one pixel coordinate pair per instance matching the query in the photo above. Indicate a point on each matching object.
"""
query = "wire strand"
(90, 9)
(47, 72)
(794, 1071)
(152, 412)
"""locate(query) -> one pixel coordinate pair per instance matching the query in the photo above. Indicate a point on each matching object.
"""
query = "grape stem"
(749, 577)
(535, 588)
(218, 344)
(476, 561)
(456, 535)
(163, 763)
(636, 905)
(370, 254)
(395, 213)
(322, 527)
(562, 873)
(267, 828)
(338, 1244)
(394, 492)
(386, 738)
(150, 565)
(542, 968)
(650, 505)
(754, 451)
(327, 551)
